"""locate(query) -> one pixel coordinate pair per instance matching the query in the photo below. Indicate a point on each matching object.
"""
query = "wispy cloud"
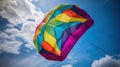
(67, 65)
(34, 61)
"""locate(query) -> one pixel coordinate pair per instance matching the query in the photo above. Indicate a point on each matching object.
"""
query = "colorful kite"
(56, 35)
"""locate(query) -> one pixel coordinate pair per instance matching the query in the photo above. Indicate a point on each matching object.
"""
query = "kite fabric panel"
(62, 27)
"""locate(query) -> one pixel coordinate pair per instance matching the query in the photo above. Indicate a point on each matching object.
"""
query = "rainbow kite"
(56, 35)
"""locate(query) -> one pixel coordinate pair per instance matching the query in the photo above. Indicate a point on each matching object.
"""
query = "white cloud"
(107, 61)
(18, 12)
(8, 42)
(10, 47)
(67, 65)
(28, 30)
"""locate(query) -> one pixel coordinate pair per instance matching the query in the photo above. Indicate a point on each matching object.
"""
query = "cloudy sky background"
(98, 47)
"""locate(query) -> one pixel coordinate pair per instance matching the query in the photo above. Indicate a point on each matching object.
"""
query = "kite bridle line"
(95, 46)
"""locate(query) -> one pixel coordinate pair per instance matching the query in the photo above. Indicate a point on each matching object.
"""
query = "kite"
(62, 27)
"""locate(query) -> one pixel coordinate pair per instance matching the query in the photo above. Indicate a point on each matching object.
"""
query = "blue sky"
(101, 43)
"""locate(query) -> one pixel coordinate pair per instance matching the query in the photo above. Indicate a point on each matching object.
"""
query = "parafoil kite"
(56, 35)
